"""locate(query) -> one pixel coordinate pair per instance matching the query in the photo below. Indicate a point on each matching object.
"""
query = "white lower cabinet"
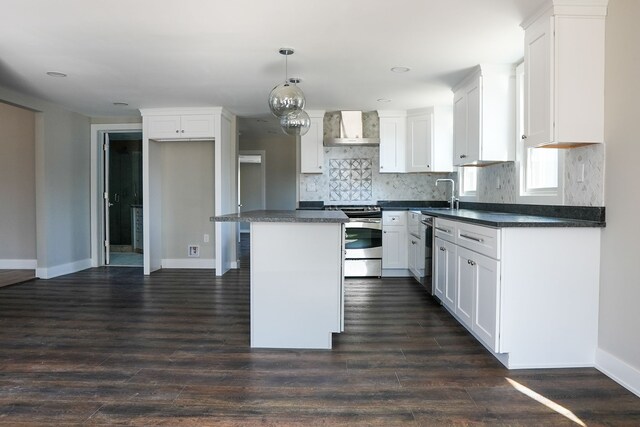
(528, 294)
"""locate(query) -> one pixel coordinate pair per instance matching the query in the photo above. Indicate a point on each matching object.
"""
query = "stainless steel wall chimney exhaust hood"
(351, 129)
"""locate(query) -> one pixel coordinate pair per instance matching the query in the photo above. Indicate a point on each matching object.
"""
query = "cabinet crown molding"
(593, 8)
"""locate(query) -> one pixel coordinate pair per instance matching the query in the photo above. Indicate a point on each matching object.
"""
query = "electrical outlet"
(206, 238)
(193, 251)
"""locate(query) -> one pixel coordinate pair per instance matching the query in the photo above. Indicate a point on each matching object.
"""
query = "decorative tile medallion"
(350, 180)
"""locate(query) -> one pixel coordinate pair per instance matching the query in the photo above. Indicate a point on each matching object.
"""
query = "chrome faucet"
(453, 200)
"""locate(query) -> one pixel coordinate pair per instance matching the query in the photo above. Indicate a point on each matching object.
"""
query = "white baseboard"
(619, 371)
(189, 263)
(396, 272)
(62, 269)
(18, 264)
(233, 265)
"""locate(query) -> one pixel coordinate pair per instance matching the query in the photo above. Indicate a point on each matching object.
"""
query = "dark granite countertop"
(507, 219)
(316, 216)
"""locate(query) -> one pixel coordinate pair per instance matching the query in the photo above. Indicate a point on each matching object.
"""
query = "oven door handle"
(350, 240)
(367, 220)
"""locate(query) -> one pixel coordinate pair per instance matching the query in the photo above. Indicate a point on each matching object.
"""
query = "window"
(468, 181)
(540, 168)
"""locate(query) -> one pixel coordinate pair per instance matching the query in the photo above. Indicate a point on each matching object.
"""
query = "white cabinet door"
(486, 318)
(196, 126)
(465, 286)
(419, 142)
(164, 127)
(311, 148)
(537, 87)
(459, 127)
(392, 144)
(187, 126)
(445, 273)
(394, 247)
(474, 113)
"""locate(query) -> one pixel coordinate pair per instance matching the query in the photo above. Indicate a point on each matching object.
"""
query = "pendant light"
(296, 122)
(286, 97)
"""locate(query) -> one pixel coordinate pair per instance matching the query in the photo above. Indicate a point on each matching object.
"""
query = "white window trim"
(553, 196)
(467, 196)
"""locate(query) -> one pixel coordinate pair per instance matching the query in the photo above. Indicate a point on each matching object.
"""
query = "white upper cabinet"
(429, 140)
(393, 136)
(181, 126)
(564, 74)
(311, 147)
(484, 116)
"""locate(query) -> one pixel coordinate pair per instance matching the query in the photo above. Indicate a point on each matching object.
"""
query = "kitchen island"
(297, 295)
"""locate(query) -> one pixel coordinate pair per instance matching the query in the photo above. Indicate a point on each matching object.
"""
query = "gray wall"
(17, 184)
(280, 167)
(620, 270)
(62, 182)
(187, 198)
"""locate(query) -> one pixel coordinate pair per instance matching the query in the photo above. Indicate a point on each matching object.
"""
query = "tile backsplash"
(352, 177)
(578, 190)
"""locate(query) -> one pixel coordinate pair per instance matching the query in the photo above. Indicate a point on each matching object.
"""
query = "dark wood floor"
(110, 346)
(12, 277)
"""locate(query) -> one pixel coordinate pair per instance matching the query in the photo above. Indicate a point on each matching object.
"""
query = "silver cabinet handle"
(524, 136)
(177, 131)
(443, 230)
(463, 156)
(470, 262)
(442, 248)
(475, 239)
(413, 242)
(182, 131)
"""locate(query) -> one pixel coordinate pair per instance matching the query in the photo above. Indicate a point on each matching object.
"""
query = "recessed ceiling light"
(56, 74)
(383, 100)
(120, 104)
(400, 69)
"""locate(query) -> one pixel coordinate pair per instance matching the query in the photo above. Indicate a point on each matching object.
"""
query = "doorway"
(252, 193)
(123, 199)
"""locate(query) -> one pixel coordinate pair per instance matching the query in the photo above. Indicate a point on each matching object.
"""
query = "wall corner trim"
(618, 370)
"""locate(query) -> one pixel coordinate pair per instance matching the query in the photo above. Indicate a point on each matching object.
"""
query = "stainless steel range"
(363, 240)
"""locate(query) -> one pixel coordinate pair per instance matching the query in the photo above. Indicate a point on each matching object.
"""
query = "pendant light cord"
(286, 68)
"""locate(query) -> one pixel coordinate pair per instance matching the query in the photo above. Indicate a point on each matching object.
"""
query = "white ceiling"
(173, 53)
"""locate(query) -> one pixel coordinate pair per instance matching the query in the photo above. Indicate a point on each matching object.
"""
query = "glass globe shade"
(296, 122)
(285, 98)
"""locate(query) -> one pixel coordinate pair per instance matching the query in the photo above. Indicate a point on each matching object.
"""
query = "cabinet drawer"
(394, 218)
(445, 229)
(484, 240)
